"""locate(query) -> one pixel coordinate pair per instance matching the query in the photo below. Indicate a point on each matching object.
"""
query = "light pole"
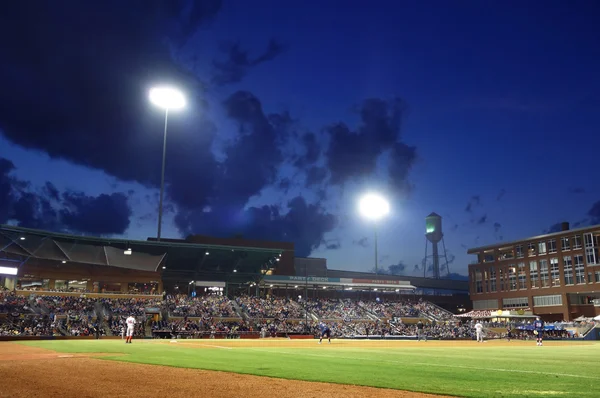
(374, 207)
(167, 98)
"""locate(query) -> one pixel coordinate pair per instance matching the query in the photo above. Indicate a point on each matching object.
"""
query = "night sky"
(485, 112)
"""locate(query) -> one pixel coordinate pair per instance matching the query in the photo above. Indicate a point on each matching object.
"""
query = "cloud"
(315, 176)
(481, 220)
(101, 215)
(102, 115)
(363, 242)
(237, 62)
(77, 93)
(67, 212)
(497, 231)
(594, 213)
(302, 223)
(333, 244)
(393, 269)
(473, 202)
(311, 148)
(577, 190)
(353, 154)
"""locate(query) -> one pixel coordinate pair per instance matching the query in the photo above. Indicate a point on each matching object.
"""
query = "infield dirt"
(34, 372)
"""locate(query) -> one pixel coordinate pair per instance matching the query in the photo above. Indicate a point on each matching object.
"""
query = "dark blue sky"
(484, 112)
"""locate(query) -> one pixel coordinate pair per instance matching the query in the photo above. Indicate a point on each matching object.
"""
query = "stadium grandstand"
(68, 285)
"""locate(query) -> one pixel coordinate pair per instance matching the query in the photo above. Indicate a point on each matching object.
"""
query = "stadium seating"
(217, 316)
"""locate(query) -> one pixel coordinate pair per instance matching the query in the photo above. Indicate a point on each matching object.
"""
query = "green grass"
(467, 369)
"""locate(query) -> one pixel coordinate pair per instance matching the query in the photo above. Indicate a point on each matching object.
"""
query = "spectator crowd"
(217, 315)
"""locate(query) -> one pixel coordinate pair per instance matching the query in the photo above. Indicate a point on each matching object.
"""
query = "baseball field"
(298, 368)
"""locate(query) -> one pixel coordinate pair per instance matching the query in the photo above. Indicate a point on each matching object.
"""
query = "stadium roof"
(476, 250)
(24, 243)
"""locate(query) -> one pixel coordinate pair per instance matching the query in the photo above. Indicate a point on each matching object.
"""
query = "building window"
(542, 248)
(533, 274)
(591, 255)
(568, 269)
(531, 250)
(589, 240)
(522, 276)
(517, 302)
(547, 301)
(488, 258)
(512, 277)
(485, 304)
(492, 279)
(579, 269)
(478, 282)
(552, 246)
(554, 272)
(506, 254)
(577, 242)
(597, 275)
(565, 244)
(544, 275)
(519, 251)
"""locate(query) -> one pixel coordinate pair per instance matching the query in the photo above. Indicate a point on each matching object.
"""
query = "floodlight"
(374, 207)
(167, 98)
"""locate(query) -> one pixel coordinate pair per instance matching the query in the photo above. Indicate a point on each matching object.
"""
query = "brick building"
(556, 275)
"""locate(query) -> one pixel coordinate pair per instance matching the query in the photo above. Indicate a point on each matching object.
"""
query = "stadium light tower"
(374, 207)
(167, 98)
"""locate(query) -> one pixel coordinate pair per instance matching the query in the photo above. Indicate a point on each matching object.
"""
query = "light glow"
(374, 207)
(8, 270)
(167, 98)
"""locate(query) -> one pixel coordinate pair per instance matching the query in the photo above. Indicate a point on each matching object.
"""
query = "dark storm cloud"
(252, 162)
(315, 176)
(363, 242)
(302, 223)
(101, 215)
(312, 150)
(237, 62)
(473, 202)
(75, 83)
(100, 58)
(68, 212)
(354, 154)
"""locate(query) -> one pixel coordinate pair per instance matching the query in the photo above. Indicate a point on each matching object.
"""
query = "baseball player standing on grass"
(538, 327)
(479, 332)
(130, 322)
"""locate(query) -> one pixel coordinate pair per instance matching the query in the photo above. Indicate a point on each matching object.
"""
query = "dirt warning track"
(34, 372)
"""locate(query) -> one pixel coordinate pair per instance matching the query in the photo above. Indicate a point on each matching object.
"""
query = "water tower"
(434, 234)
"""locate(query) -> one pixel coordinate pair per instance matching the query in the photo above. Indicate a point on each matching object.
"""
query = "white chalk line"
(432, 364)
(213, 346)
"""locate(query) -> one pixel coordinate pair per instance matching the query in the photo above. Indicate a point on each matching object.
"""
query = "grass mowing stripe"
(428, 364)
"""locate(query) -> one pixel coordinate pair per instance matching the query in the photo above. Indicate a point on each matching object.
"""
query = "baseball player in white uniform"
(479, 332)
(130, 322)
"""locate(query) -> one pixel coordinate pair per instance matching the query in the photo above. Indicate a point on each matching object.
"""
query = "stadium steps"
(239, 310)
(99, 311)
(441, 309)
